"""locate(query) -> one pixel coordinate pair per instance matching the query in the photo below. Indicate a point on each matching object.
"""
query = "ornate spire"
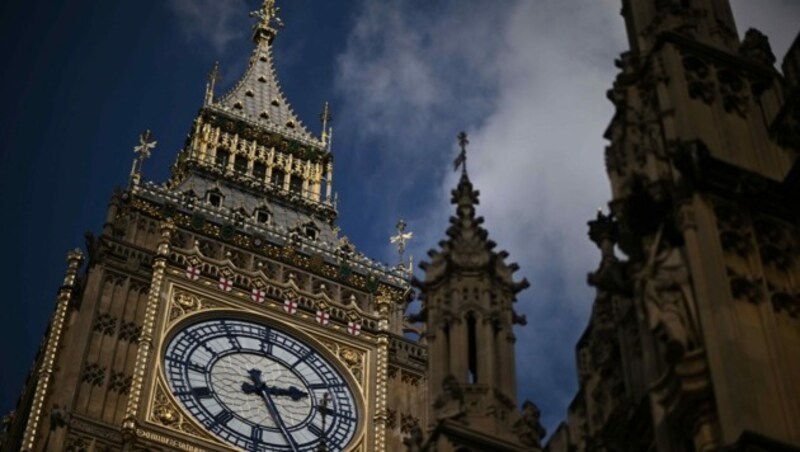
(257, 98)
(467, 297)
(326, 117)
(214, 76)
(468, 246)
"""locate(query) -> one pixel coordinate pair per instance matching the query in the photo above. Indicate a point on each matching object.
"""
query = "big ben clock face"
(259, 388)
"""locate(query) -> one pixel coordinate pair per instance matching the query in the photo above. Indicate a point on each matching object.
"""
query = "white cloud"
(214, 22)
(528, 80)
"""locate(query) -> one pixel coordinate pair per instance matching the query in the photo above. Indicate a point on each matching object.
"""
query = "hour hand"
(258, 384)
(247, 388)
(293, 393)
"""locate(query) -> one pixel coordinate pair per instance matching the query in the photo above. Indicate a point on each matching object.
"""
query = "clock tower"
(223, 310)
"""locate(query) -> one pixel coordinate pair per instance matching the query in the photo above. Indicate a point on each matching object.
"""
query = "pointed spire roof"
(468, 247)
(257, 98)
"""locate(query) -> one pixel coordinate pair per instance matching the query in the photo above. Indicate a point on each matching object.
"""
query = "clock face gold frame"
(330, 354)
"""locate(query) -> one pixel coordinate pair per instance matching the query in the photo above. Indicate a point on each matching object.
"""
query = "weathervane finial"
(461, 160)
(268, 21)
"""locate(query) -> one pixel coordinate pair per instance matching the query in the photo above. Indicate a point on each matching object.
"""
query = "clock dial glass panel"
(260, 388)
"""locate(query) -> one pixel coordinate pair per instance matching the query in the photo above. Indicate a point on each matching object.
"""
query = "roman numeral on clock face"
(223, 417)
(316, 430)
(201, 392)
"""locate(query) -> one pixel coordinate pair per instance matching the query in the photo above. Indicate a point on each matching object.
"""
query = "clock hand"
(261, 387)
(293, 392)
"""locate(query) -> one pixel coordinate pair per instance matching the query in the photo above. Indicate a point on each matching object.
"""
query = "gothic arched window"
(221, 159)
(472, 349)
(240, 163)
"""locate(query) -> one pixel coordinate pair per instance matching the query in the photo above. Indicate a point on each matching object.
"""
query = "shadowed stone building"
(224, 310)
(694, 338)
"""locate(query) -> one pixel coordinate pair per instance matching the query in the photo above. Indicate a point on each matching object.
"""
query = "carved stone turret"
(468, 295)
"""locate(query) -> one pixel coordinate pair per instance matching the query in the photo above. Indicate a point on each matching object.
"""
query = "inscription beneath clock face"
(259, 388)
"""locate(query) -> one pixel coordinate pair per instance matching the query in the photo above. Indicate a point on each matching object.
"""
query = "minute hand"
(263, 389)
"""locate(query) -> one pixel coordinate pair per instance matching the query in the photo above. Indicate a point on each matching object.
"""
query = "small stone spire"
(326, 117)
(214, 76)
(468, 294)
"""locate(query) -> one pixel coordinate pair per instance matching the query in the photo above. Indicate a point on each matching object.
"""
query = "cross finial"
(461, 160)
(146, 144)
(142, 151)
(401, 238)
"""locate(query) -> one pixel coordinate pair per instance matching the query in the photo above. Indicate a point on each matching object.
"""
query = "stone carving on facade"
(120, 383)
(414, 440)
(183, 303)
(755, 47)
(77, 444)
(59, 417)
(408, 422)
(745, 287)
(130, 332)
(734, 91)
(665, 288)
(166, 413)
(450, 402)
(776, 247)
(391, 418)
(94, 374)
(699, 79)
(734, 232)
(354, 361)
(786, 302)
(105, 324)
(611, 276)
(528, 427)
(5, 425)
(410, 379)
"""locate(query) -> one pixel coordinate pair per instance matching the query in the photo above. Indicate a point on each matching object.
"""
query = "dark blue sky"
(81, 79)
